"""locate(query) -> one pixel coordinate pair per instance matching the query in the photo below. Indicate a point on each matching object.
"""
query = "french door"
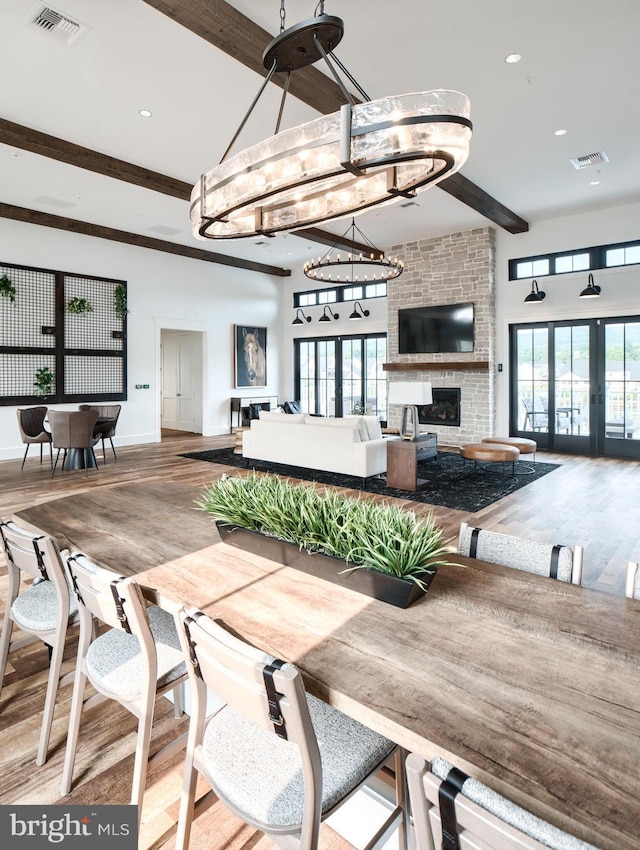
(335, 376)
(575, 385)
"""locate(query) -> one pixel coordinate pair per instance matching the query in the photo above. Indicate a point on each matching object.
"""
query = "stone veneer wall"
(453, 269)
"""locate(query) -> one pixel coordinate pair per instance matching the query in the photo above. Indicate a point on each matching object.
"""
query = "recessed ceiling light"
(594, 183)
(145, 113)
(512, 58)
(560, 133)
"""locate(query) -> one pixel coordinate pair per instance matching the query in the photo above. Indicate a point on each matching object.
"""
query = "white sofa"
(353, 445)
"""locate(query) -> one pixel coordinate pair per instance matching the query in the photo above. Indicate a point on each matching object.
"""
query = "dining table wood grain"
(527, 683)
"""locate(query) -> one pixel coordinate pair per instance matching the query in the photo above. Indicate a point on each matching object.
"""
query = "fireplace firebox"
(445, 408)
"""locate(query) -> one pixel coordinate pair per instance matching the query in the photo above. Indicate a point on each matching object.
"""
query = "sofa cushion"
(274, 416)
(350, 423)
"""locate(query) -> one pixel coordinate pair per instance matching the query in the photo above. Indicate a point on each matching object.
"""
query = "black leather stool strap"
(473, 543)
(273, 697)
(447, 793)
(555, 557)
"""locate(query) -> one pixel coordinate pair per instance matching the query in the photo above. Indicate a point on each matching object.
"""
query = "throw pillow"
(292, 407)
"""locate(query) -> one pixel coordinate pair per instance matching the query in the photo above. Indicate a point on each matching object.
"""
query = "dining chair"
(521, 553)
(32, 430)
(455, 812)
(280, 759)
(41, 607)
(74, 430)
(632, 588)
(137, 659)
(110, 412)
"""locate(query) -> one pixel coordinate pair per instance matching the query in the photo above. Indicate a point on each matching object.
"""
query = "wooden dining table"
(530, 684)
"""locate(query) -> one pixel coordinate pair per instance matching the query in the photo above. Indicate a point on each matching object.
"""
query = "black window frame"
(597, 254)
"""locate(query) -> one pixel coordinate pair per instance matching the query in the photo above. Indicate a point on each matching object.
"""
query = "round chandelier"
(367, 154)
(354, 266)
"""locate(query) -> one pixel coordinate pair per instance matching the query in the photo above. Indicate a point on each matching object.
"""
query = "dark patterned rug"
(449, 484)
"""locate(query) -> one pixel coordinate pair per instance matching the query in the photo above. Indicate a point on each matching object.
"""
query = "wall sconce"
(332, 315)
(592, 290)
(535, 295)
(361, 314)
(298, 320)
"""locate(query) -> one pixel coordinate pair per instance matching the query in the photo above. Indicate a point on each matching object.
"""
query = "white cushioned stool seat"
(261, 774)
(36, 608)
(115, 663)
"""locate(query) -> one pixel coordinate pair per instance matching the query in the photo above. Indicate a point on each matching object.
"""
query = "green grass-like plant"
(367, 535)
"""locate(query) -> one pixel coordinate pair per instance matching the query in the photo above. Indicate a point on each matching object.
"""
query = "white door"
(182, 381)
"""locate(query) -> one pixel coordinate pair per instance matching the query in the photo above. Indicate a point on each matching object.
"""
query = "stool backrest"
(37, 555)
(520, 553)
(30, 421)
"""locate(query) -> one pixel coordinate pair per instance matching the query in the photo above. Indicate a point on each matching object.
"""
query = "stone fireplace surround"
(452, 269)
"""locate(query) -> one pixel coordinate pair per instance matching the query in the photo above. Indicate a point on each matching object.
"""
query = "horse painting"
(251, 345)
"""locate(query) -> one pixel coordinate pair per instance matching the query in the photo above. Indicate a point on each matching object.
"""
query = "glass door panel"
(532, 384)
(326, 378)
(307, 372)
(572, 385)
(620, 402)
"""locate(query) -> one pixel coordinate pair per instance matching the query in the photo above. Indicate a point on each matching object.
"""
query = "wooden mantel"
(450, 366)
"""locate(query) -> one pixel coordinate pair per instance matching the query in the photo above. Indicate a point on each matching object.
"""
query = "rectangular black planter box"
(396, 591)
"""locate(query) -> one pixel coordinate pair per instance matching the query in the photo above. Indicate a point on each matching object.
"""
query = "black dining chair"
(32, 430)
(105, 430)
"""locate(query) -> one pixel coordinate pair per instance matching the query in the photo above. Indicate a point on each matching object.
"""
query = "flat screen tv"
(435, 329)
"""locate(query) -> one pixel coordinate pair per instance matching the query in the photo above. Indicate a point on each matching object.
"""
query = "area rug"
(450, 485)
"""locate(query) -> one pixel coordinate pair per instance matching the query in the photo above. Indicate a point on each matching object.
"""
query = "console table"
(238, 402)
(402, 461)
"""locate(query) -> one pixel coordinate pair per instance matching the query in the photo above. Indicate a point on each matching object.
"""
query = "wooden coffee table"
(238, 434)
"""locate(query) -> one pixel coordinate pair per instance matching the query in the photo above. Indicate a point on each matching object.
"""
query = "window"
(623, 256)
(583, 259)
(339, 293)
(573, 263)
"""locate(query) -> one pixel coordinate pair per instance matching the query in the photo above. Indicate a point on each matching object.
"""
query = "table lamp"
(411, 395)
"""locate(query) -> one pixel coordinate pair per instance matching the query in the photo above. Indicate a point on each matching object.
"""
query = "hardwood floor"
(593, 502)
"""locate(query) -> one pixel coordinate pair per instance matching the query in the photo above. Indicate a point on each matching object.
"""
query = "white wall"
(620, 286)
(164, 291)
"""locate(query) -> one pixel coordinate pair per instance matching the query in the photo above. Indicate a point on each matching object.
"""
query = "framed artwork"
(250, 348)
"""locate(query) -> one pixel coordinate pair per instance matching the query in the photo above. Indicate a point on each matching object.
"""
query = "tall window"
(337, 375)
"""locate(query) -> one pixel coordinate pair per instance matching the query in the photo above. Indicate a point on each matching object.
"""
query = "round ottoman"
(524, 445)
(490, 453)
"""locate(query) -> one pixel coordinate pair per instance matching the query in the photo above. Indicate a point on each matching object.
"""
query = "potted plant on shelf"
(7, 289)
(120, 301)
(374, 548)
(79, 306)
(43, 382)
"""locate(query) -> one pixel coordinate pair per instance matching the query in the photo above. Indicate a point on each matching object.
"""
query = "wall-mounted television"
(435, 329)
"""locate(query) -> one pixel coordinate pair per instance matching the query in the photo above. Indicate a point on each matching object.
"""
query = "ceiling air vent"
(57, 23)
(590, 159)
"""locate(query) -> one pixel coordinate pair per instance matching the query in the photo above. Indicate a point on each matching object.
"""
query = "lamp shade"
(410, 392)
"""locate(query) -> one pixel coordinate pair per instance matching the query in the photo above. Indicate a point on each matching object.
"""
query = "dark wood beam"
(326, 238)
(32, 140)
(99, 231)
(28, 139)
(473, 196)
(239, 37)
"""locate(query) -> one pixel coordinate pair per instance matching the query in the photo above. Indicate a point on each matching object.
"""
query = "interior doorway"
(181, 380)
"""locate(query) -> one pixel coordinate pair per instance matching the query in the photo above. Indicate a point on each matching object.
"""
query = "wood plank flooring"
(594, 502)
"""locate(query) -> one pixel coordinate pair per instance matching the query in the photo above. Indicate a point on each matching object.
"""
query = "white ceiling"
(579, 71)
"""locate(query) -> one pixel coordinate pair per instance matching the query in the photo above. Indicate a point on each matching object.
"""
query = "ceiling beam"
(99, 231)
(229, 30)
(28, 139)
(325, 238)
(25, 138)
(239, 37)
